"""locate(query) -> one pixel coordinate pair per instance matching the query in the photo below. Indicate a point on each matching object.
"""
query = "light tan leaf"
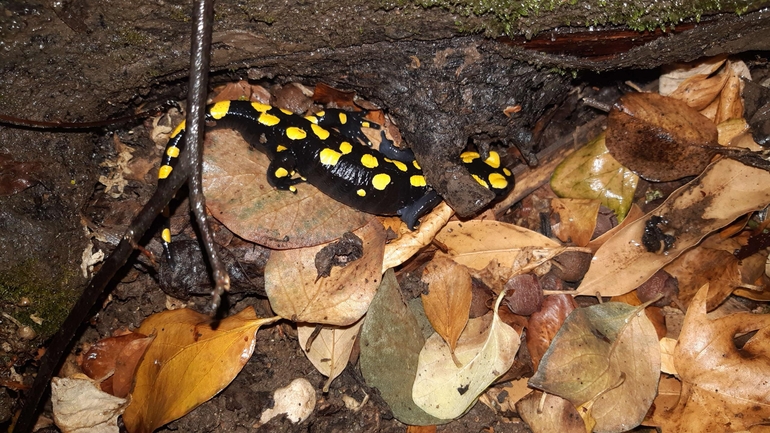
(730, 100)
(592, 173)
(486, 350)
(698, 91)
(448, 300)
(409, 242)
(577, 219)
(239, 196)
(726, 190)
(296, 400)
(187, 363)
(548, 413)
(607, 355)
(476, 243)
(339, 299)
(331, 348)
(667, 346)
(674, 75)
(80, 406)
(723, 388)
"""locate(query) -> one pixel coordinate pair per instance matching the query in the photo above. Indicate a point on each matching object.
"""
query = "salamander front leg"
(280, 174)
(411, 213)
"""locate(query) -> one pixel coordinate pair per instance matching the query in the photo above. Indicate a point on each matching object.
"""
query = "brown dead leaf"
(116, 357)
(723, 388)
(703, 265)
(675, 74)
(700, 90)
(448, 300)
(476, 244)
(188, 363)
(659, 138)
(730, 100)
(544, 324)
(577, 219)
(725, 191)
(340, 299)
(239, 196)
(548, 413)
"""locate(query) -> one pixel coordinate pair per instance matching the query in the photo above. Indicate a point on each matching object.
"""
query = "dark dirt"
(89, 60)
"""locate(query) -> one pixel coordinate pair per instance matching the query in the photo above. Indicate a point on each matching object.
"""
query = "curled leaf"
(330, 349)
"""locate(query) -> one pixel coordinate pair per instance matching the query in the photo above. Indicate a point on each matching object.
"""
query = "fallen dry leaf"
(476, 243)
(723, 388)
(448, 301)
(675, 74)
(702, 265)
(592, 173)
(296, 400)
(340, 299)
(485, 350)
(187, 363)
(391, 341)
(548, 413)
(100, 361)
(606, 357)
(330, 349)
(544, 324)
(79, 406)
(577, 219)
(239, 196)
(409, 243)
(659, 138)
(730, 100)
(725, 191)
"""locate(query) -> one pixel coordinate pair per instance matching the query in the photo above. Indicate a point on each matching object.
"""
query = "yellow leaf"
(592, 173)
(187, 363)
(577, 219)
(448, 300)
(476, 243)
(726, 190)
(340, 299)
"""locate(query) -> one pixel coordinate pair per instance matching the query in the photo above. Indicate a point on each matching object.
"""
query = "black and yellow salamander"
(328, 150)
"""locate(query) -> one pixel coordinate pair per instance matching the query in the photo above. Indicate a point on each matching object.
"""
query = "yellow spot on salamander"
(293, 188)
(295, 133)
(506, 171)
(346, 147)
(380, 181)
(281, 172)
(400, 165)
(312, 119)
(280, 148)
(172, 151)
(166, 235)
(343, 118)
(179, 128)
(268, 119)
(321, 113)
(260, 107)
(493, 160)
(498, 181)
(468, 157)
(369, 161)
(417, 180)
(361, 193)
(220, 109)
(319, 132)
(164, 171)
(416, 164)
(329, 157)
(285, 111)
(366, 124)
(481, 181)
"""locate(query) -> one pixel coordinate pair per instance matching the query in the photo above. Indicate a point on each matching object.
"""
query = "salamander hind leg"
(411, 213)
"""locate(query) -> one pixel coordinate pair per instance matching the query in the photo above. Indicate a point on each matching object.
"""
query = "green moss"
(513, 17)
(51, 298)
(134, 38)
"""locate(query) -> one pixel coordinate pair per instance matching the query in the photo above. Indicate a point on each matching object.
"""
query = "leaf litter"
(600, 365)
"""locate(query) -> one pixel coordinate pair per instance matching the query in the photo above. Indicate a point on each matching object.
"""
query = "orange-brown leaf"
(188, 363)
(703, 265)
(544, 324)
(448, 300)
(577, 219)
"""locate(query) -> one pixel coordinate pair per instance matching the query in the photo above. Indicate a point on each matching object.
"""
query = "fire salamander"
(327, 150)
